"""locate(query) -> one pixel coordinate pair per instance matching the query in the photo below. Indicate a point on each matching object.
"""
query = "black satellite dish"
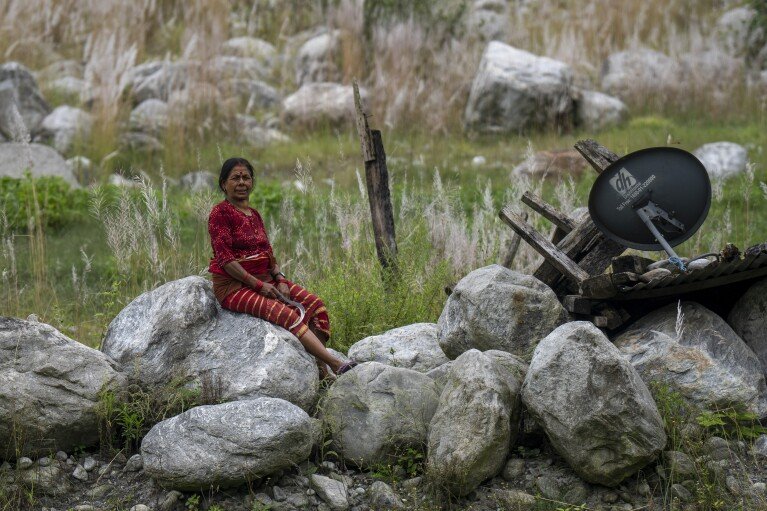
(652, 199)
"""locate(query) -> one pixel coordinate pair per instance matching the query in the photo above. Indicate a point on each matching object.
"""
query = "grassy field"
(76, 258)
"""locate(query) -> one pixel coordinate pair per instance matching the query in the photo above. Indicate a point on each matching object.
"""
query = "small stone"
(134, 464)
(103, 470)
(717, 448)
(413, 483)
(576, 491)
(100, 491)
(760, 447)
(515, 499)
(680, 492)
(610, 497)
(84, 507)
(716, 469)
(120, 459)
(679, 464)
(759, 488)
(89, 464)
(140, 507)
(44, 462)
(654, 274)
(61, 456)
(33, 318)
(310, 492)
(70, 461)
(278, 494)
(381, 496)
(263, 498)
(643, 489)
(478, 161)
(5, 466)
(171, 499)
(515, 468)
(80, 473)
(330, 466)
(698, 264)
(733, 485)
(548, 487)
(331, 491)
(24, 463)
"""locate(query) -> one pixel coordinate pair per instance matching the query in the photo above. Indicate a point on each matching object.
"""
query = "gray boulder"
(229, 67)
(158, 79)
(317, 59)
(475, 424)
(251, 47)
(698, 355)
(71, 87)
(150, 116)
(140, 142)
(252, 93)
(252, 132)
(228, 444)
(376, 412)
(439, 375)
(178, 330)
(20, 96)
(514, 91)
(320, 103)
(631, 74)
(65, 124)
(558, 165)
(722, 159)
(65, 67)
(382, 497)
(331, 491)
(748, 318)
(412, 347)
(199, 181)
(595, 111)
(595, 409)
(497, 308)
(40, 160)
(49, 389)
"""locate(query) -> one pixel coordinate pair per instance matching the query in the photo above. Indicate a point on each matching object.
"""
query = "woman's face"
(239, 184)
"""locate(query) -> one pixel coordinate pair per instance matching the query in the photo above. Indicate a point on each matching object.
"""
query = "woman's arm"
(236, 270)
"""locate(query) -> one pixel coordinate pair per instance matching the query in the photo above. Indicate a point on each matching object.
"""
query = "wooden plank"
(602, 250)
(512, 247)
(599, 287)
(691, 286)
(363, 130)
(379, 196)
(577, 304)
(549, 212)
(548, 250)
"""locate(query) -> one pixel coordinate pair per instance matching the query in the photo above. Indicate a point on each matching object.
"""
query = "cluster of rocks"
(502, 366)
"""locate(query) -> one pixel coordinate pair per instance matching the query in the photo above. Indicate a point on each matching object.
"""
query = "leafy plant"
(56, 202)
(730, 423)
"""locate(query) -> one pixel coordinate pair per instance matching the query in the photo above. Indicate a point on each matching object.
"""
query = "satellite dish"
(652, 199)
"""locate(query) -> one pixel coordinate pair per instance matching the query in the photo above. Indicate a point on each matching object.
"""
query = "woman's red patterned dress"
(236, 236)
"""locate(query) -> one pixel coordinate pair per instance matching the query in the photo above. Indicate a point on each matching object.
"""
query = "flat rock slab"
(594, 407)
(697, 354)
(412, 347)
(494, 308)
(49, 389)
(178, 331)
(375, 412)
(228, 444)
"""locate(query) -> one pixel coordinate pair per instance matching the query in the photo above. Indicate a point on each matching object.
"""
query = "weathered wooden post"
(377, 178)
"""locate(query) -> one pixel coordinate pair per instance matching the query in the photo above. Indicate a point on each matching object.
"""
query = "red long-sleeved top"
(234, 236)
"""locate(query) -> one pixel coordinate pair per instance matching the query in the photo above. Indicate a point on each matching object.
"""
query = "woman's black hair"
(227, 167)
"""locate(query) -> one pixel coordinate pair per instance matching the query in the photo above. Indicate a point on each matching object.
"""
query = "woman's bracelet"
(276, 276)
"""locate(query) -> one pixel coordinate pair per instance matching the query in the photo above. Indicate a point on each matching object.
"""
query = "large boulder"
(317, 59)
(228, 444)
(251, 93)
(158, 79)
(320, 103)
(475, 424)
(178, 331)
(723, 159)
(694, 352)
(412, 347)
(595, 111)
(251, 47)
(65, 124)
(49, 389)
(376, 412)
(20, 96)
(514, 91)
(631, 74)
(40, 160)
(229, 67)
(748, 318)
(497, 308)
(594, 407)
(150, 116)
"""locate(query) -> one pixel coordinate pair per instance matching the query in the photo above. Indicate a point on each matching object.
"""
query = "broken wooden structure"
(577, 256)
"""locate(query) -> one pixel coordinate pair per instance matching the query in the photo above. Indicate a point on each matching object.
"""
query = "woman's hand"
(284, 289)
(269, 291)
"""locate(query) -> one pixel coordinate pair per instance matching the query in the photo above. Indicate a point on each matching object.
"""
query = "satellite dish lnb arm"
(650, 211)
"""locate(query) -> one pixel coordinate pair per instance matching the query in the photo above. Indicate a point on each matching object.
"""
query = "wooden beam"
(512, 247)
(379, 196)
(549, 212)
(363, 130)
(547, 249)
(577, 304)
(598, 156)
(571, 245)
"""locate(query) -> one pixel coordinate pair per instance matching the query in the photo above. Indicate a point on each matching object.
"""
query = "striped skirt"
(274, 311)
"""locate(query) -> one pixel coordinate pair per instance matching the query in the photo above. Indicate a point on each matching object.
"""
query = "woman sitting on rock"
(246, 277)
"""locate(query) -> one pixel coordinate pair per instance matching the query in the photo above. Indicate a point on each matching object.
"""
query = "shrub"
(56, 203)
